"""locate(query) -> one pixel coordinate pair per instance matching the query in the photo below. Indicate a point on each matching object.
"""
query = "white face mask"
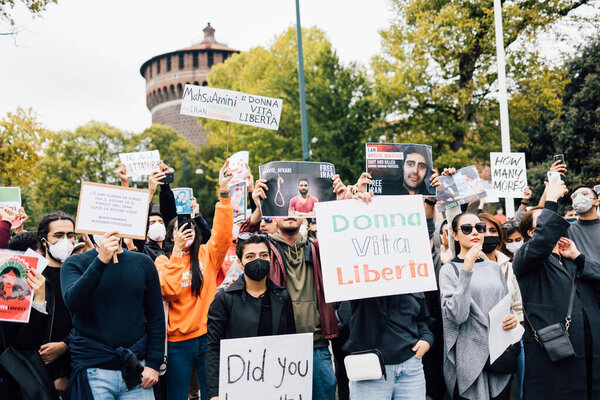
(157, 232)
(514, 246)
(582, 204)
(61, 249)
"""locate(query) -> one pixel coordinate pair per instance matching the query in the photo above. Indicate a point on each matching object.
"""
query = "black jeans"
(504, 394)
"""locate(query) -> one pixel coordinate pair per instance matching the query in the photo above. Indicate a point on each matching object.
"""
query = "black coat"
(230, 316)
(545, 287)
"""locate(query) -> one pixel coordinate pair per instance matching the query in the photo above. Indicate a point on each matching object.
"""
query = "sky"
(80, 60)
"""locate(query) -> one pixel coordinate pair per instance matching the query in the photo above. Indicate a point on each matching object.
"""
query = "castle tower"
(167, 74)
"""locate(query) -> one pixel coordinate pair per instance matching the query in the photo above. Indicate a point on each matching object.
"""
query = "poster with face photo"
(461, 188)
(16, 296)
(295, 187)
(238, 200)
(183, 200)
(398, 168)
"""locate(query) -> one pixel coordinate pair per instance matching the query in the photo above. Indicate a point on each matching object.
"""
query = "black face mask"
(257, 269)
(490, 243)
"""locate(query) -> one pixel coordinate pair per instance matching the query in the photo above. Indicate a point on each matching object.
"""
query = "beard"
(289, 229)
(303, 192)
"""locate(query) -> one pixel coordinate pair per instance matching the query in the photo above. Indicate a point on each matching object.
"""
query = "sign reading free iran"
(376, 249)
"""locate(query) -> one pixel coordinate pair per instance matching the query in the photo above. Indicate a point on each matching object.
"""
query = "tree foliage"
(34, 6)
(341, 109)
(437, 75)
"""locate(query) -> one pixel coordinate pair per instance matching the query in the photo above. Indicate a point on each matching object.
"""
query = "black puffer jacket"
(232, 316)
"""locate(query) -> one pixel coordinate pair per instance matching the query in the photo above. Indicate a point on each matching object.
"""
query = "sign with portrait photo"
(183, 200)
(237, 192)
(399, 168)
(295, 187)
(16, 296)
(465, 186)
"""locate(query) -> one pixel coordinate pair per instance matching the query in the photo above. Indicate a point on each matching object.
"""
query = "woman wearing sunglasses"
(188, 283)
(470, 286)
(252, 306)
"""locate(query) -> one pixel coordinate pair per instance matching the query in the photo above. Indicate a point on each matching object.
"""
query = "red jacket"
(4, 234)
(278, 275)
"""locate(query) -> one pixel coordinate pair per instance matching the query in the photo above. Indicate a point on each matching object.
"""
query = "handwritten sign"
(140, 163)
(15, 293)
(267, 368)
(231, 106)
(509, 174)
(377, 249)
(104, 208)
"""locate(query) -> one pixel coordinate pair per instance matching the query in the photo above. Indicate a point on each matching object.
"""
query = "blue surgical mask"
(572, 219)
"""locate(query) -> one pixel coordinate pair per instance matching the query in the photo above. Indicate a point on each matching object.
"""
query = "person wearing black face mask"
(252, 306)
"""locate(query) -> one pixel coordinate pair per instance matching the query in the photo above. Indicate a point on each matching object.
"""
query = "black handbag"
(554, 338)
(507, 363)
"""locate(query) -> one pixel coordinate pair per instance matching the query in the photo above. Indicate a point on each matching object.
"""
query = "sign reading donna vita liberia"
(377, 249)
(231, 106)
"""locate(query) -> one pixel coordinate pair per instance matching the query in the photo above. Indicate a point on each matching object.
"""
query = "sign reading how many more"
(106, 208)
(377, 249)
(266, 368)
(509, 174)
(231, 106)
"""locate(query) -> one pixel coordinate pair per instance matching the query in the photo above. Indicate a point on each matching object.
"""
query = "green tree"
(90, 153)
(21, 138)
(34, 6)
(437, 74)
(341, 110)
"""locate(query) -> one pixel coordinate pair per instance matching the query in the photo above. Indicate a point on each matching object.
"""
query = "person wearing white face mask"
(585, 232)
(156, 235)
(57, 237)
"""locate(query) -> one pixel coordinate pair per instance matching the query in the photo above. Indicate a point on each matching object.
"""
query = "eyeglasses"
(268, 220)
(411, 164)
(60, 235)
(480, 227)
(248, 235)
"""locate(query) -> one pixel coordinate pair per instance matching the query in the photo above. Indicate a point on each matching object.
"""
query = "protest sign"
(398, 168)
(492, 195)
(140, 163)
(295, 187)
(461, 188)
(105, 208)
(498, 338)
(509, 174)
(377, 249)
(239, 201)
(231, 106)
(183, 200)
(266, 368)
(16, 296)
(10, 197)
(238, 164)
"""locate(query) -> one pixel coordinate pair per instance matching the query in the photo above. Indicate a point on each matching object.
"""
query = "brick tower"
(167, 74)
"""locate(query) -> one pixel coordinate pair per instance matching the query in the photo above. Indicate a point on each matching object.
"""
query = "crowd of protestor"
(150, 325)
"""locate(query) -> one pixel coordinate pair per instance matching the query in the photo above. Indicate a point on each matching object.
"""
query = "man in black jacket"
(252, 306)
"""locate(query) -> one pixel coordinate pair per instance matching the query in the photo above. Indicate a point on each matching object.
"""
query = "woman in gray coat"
(470, 287)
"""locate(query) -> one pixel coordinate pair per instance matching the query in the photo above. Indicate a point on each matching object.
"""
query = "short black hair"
(422, 150)
(44, 226)
(25, 240)
(576, 188)
(303, 180)
(156, 213)
(241, 244)
(566, 209)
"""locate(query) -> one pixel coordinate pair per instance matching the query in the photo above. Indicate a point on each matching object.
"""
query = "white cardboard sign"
(377, 249)
(266, 368)
(238, 165)
(105, 208)
(231, 106)
(509, 174)
(141, 163)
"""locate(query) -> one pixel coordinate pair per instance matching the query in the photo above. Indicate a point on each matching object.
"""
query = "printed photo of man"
(417, 164)
(303, 204)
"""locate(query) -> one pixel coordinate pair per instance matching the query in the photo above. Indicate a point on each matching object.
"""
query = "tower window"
(210, 59)
(168, 63)
(181, 61)
(158, 66)
(195, 60)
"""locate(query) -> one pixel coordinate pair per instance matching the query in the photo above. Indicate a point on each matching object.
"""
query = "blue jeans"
(182, 357)
(107, 384)
(405, 381)
(521, 368)
(324, 382)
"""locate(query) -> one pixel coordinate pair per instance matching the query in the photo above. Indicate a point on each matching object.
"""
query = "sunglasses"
(248, 235)
(268, 220)
(480, 227)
